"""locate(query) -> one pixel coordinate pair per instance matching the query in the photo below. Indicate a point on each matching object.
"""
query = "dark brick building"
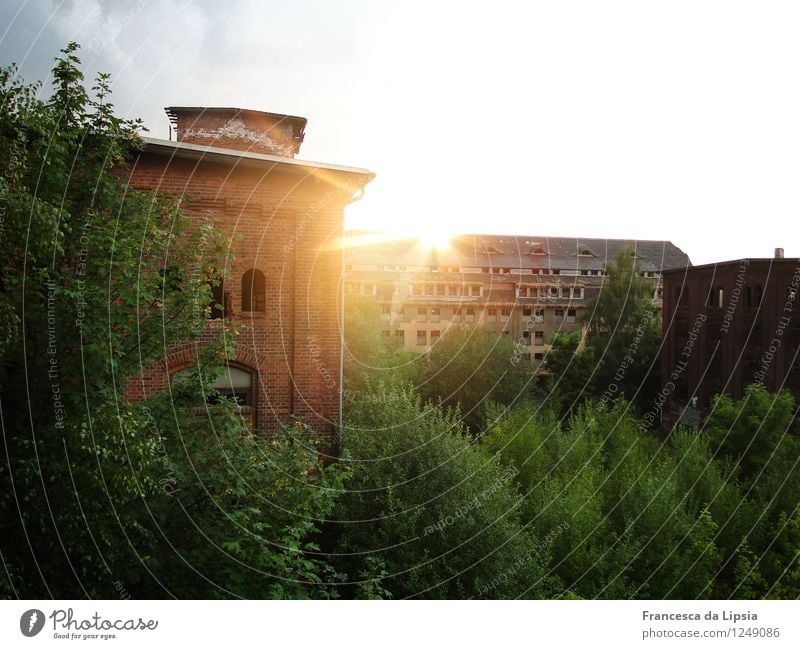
(236, 169)
(727, 325)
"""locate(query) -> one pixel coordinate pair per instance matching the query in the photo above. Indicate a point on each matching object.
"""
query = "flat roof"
(731, 262)
(246, 158)
(172, 112)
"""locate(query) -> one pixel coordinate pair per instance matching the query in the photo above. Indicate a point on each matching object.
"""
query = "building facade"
(728, 325)
(525, 287)
(236, 169)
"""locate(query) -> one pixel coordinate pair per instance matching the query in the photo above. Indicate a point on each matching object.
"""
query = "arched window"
(253, 291)
(235, 382)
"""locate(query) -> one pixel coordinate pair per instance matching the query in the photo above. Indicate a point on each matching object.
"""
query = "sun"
(434, 238)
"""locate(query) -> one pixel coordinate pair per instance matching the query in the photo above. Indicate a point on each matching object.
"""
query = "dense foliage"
(459, 478)
(619, 357)
(99, 496)
(424, 504)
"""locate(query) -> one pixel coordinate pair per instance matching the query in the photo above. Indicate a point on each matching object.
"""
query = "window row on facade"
(429, 289)
(254, 295)
(750, 295)
(486, 270)
(489, 314)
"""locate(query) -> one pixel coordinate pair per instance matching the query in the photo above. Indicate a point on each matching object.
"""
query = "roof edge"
(731, 262)
(233, 156)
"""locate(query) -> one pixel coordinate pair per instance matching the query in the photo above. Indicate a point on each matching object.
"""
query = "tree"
(623, 337)
(613, 501)
(571, 371)
(472, 367)
(238, 514)
(625, 333)
(425, 512)
(97, 281)
(369, 356)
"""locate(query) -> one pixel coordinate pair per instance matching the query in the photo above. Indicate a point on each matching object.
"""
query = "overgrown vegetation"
(100, 496)
(459, 476)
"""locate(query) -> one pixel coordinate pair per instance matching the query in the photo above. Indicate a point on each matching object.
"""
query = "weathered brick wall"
(288, 226)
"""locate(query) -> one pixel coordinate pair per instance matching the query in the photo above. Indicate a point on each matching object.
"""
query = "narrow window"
(253, 291)
(218, 300)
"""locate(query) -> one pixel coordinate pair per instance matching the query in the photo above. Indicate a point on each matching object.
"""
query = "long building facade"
(526, 287)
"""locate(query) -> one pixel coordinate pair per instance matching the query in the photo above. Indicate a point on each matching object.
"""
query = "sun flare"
(434, 239)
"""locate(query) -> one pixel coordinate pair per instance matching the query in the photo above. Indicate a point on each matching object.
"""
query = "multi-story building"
(237, 170)
(526, 287)
(728, 325)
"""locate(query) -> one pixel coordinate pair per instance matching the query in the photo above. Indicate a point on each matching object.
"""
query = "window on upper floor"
(254, 291)
(219, 301)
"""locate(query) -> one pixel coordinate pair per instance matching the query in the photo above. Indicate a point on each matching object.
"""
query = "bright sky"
(670, 120)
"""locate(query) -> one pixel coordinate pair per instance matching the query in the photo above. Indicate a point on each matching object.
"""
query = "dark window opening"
(218, 301)
(253, 291)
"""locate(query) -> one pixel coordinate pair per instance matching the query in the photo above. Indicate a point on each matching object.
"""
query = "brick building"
(522, 286)
(237, 169)
(727, 325)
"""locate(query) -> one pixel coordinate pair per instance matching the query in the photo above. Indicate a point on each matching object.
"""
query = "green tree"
(471, 367)
(239, 514)
(425, 512)
(625, 333)
(369, 356)
(571, 371)
(622, 340)
(98, 280)
(614, 495)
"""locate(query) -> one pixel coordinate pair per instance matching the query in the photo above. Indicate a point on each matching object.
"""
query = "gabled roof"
(518, 252)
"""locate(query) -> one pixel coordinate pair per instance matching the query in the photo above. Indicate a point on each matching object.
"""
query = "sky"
(642, 120)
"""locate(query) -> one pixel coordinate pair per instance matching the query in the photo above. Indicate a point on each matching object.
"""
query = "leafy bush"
(472, 367)
(438, 516)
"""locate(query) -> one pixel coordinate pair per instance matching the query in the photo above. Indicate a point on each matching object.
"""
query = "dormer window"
(491, 250)
(538, 250)
(585, 252)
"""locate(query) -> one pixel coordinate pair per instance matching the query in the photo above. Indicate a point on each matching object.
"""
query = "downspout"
(340, 429)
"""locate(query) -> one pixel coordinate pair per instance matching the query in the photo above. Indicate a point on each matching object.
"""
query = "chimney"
(237, 128)
(778, 253)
